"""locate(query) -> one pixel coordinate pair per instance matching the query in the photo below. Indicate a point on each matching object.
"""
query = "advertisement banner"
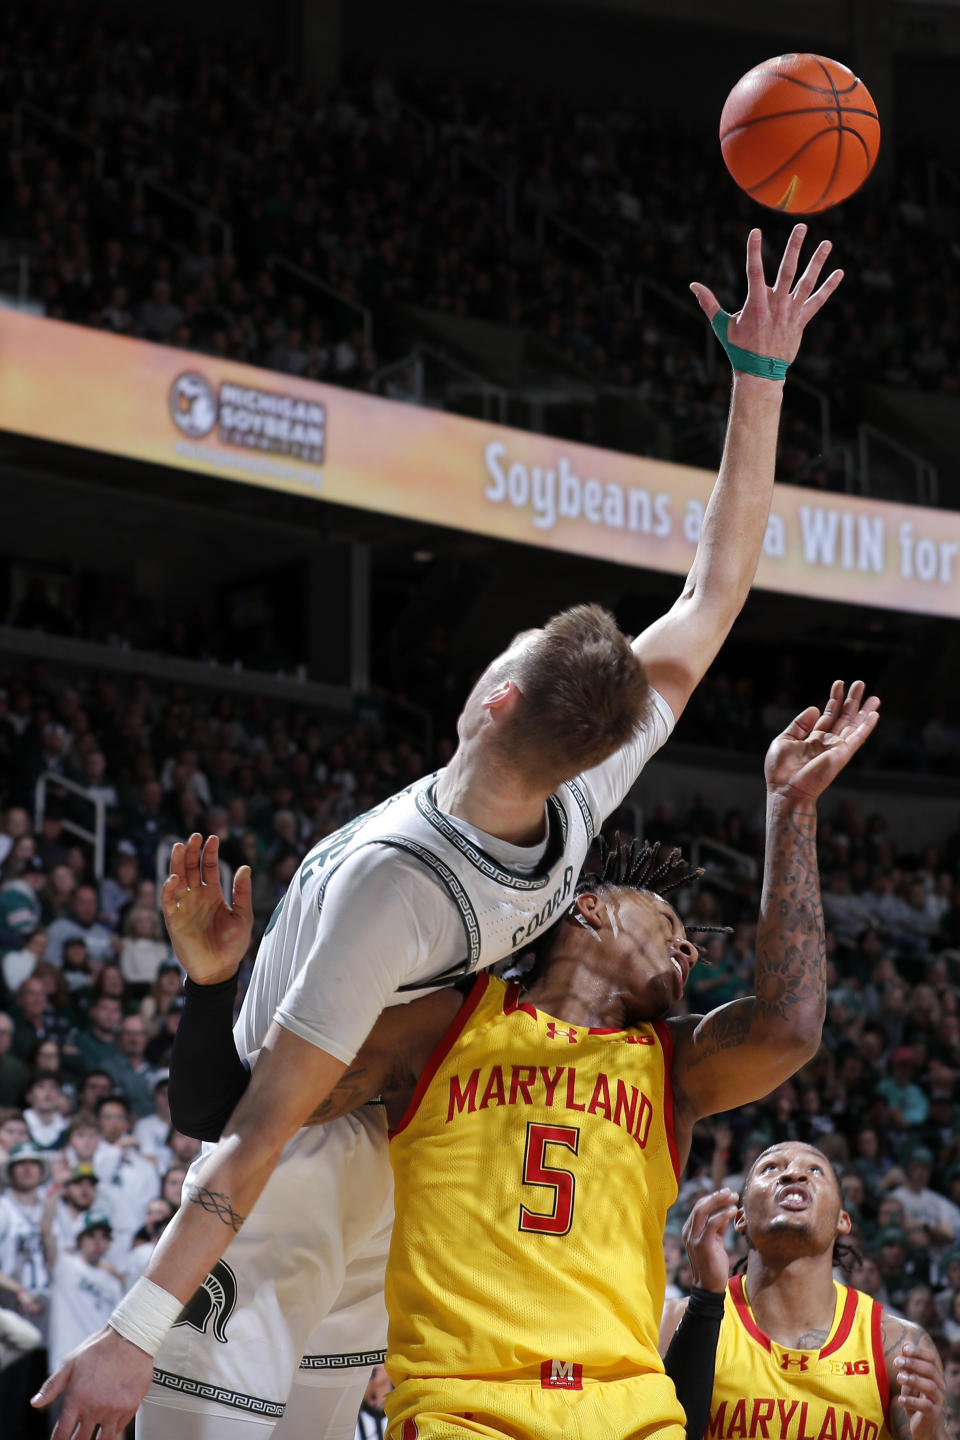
(193, 412)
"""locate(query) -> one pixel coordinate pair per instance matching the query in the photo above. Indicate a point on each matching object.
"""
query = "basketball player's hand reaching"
(702, 1237)
(815, 747)
(209, 937)
(773, 318)
(919, 1390)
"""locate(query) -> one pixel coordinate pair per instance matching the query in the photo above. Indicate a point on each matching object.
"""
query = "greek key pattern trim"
(343, 1362)
(483, 862)
(580, 798)
(460, 898)
(253, 1404)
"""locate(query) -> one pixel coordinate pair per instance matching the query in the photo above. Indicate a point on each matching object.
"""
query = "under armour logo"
(215, 1300)
(561, 1032)
(795, 1362)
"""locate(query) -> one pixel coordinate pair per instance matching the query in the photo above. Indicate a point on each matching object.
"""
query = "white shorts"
(299, 1292)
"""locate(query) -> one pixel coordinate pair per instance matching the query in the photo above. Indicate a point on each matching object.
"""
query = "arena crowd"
(182, 181)
(90, 991)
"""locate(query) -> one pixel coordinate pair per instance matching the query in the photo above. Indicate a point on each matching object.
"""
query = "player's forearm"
(214, 1209)
(790, 980)
(735, 519)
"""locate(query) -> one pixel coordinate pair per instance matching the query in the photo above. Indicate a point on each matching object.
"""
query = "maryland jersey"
(533, 1171)
(839, 1392)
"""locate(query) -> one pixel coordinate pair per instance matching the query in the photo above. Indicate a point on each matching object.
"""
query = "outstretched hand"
(921, 1389)
(100, 1383)
(702, 1237)
(815, 747)
(773, 318)
(209, 937)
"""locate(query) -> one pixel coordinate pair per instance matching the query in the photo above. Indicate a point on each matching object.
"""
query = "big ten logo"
(850, 1367)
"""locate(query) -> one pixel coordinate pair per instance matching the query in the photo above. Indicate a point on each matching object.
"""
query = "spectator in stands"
(21, 1251)
(45, 1112)
(147, 823)
(923, 1205)
(14, 1074)
(127, 1180)
(34, 1017)
(77, 974)
(72, 1203)
(118, 888)
(161, 1042)
(58, 896)
(49, 842)
(158, 316)
(164, 991)
(158, 1216)
(20, 911)
(96, 1045)
(82, 924)
(908, 1104)
(152, 1131)
(18, 965)
(844, 911)
(133, 1076)
(143, 949)
(85, 1289)
(13, 1130)
(83, 1136)
(16, 823)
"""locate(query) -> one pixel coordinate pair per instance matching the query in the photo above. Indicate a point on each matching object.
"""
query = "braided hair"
(640, 865)
(626, 864)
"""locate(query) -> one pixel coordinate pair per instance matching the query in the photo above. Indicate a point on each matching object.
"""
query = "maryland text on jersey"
(553, 1088)
(766, 1391)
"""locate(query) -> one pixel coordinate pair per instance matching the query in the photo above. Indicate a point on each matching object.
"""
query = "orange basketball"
(799, 133)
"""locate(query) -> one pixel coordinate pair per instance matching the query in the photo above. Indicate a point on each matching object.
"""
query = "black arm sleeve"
(691, 1358)
(207, 1076)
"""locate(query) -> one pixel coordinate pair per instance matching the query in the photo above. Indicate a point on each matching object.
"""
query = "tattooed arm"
(741, 1051)
(916, 1381)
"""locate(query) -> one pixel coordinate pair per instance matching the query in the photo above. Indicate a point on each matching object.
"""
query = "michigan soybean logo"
(249, 418)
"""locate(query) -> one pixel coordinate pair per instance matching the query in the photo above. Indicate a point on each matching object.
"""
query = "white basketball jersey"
(453, 905)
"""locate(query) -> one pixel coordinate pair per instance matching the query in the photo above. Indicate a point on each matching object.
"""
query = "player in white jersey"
(455, 874)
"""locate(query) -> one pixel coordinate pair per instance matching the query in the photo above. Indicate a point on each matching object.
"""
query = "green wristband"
(766, 366)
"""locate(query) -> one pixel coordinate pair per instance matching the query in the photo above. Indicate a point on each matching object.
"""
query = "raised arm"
(679, 647)
(741, 1051)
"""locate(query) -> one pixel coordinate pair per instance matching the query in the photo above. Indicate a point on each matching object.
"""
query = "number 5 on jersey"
(536, 1171)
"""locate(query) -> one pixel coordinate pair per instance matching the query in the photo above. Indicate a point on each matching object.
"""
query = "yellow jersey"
(534, 1169)
(762, 1389)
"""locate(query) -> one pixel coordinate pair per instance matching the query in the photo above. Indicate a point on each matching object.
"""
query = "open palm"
(209, 936)
(815, 747)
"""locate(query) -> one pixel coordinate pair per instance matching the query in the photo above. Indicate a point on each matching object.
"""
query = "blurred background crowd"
(90, 991)
(203, 195)
(212, 203)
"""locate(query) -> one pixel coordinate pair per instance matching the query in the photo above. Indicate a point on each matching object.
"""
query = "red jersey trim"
(879, 1359)
(842, 1332)
(512, 1002)
(442, 1049)
(743, 1310)
(665, 1037)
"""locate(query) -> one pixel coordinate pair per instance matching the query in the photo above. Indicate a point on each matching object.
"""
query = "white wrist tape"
(145, 1314)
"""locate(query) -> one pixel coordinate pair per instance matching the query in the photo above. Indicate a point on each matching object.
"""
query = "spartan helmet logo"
(215, 1300)
(193, 404)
